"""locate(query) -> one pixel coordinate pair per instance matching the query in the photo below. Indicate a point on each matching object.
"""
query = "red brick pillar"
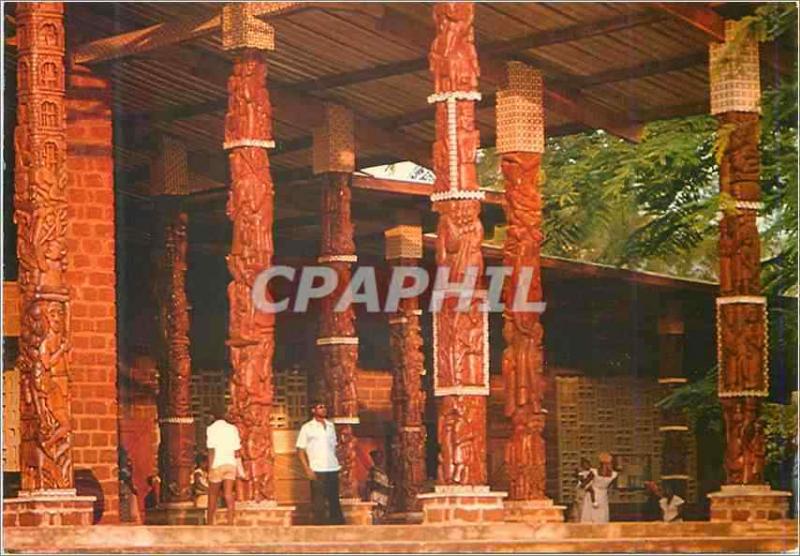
(248, 136)
(674, 428)
(460, 341)
(404, 249)
(741, 306)
(334, 161)
(92, 278)
(520, 142)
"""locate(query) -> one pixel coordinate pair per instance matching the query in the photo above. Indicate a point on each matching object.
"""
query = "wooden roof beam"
(176, 31)
(411, 32)
(697, 15)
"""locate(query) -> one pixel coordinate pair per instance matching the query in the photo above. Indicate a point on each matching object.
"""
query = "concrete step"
(651, 545)
(634, 536)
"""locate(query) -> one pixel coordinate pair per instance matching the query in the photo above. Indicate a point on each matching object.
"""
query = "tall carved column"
(520, 142)
(404, 249)
(334, 162)
(460, 344)
(40, 212)
(741, 307)
(248, 136)
(673, 428)
(177, 425)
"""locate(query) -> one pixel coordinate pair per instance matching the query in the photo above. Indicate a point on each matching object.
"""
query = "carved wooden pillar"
(40, 213)
(460, 343)
(334, 162)
(741, 307)
(176, 421)
(520, 141)
(248, 136)
(404, 249)
(673, 428)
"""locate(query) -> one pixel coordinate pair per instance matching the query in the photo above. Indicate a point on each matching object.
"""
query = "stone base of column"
(48, 509)
(533, 511)
(749, 503)
(452, 504)
(356, 511)
(178, 513)
(258, 514)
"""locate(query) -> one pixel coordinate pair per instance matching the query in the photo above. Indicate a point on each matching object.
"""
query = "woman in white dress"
(604, 477)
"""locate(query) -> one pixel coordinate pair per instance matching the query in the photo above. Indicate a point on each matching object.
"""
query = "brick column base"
(37, 510)
(450, 505)
(533, 511)
(258, 514)
(357, 512)
(749, 503)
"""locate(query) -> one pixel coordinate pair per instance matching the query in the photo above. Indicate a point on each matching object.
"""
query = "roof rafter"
(698, 16)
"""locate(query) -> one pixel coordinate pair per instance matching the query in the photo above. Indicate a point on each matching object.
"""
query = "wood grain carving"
(40, 213)
(177, 426)
(408, 402)
(741, 309)
(337, 334)
(523, 358)
(460, 363)
(248, 134)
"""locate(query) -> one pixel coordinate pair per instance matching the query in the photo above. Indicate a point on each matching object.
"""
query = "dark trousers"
(325, 492)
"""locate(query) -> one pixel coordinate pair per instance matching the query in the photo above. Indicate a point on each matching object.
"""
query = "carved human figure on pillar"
(459, 237)
(462, 440)
(453, 57)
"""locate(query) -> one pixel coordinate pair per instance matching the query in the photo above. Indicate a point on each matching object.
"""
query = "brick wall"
(90, 194)
(374, 395)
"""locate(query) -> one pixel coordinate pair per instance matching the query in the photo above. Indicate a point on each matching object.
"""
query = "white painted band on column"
(346, 420)
(458, 195)
(398, 320)
(338, 259)
(749, 205)
(754, 299)
(461, 391)
(338, 341)
(673, 380)
(260, 143)
(455, 95)
(177, 420)
(673, 428)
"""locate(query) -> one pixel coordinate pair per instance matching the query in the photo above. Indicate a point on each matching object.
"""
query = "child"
(200, 481)
(671, 505)
(586, 478)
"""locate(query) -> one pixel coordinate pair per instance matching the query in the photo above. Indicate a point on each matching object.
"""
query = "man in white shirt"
(223, 443)
(316, 448)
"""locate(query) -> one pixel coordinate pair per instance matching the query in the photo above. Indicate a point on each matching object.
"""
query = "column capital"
(403, 242)
(734, 72)
(242, 29)
(520, 111)
(169, 168)
(334, 141)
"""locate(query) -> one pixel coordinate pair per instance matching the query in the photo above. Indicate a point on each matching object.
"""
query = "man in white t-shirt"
(316, 448)
(222, 441)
